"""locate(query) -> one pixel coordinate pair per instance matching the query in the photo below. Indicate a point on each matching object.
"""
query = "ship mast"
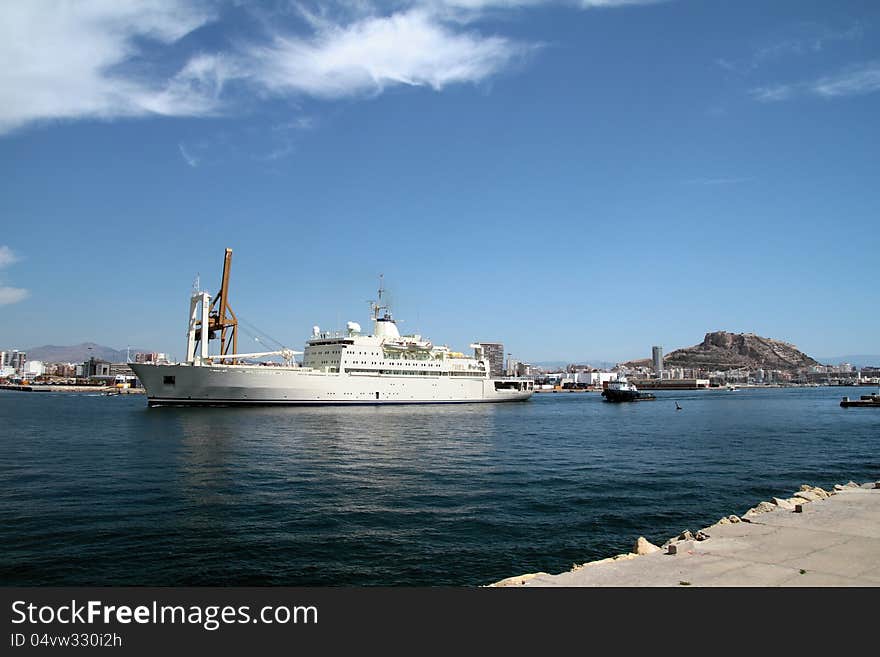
(378, 305)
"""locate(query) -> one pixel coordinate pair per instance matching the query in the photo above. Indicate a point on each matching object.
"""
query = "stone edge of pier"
(688, 543)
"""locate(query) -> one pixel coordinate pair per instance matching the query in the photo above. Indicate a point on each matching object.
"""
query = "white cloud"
(855, 81)
(61, 60)
(7, 257)
(409, 48)
(10, 295)
(66, 60)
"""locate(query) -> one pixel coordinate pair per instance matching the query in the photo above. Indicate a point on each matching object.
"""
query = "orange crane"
(222, 318)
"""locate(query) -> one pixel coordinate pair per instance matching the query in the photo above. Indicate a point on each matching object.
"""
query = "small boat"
(865, 401)
(624, 391)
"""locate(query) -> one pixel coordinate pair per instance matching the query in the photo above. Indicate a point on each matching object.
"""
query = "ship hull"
(250, 385)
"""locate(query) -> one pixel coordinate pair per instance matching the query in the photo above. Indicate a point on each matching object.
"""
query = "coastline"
(813, 538)
(741, 386)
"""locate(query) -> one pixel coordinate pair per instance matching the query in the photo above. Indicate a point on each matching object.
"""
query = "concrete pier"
(816, 538)
(71, 388)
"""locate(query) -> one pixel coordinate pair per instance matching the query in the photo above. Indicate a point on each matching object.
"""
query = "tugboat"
(624, 391)
(865, 401)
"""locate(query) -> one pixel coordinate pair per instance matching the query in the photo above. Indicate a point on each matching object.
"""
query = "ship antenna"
(377, 306)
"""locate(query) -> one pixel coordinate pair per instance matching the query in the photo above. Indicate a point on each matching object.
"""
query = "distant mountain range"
(856, 360)
(79, 353)
(562, 364)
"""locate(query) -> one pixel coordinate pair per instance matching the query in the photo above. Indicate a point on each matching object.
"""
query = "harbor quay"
(104, 389)
(813, 538)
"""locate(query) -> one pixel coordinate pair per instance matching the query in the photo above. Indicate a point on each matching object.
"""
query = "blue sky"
(578, 179)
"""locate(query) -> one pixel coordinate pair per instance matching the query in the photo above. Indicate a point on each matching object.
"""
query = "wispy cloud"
(8, 294)
(617, 3)
(285, 137)
(863, 80)
(189, 158)
(800, 40)
(717, 181)
(774, 93)
(854, 81)
(807, 39)
(507, 4)
(300, 123)
(98, 58)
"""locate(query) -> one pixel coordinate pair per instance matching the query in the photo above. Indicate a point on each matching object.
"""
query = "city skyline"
(567, 179)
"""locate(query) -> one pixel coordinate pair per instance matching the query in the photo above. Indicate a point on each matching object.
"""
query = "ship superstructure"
(343, 367)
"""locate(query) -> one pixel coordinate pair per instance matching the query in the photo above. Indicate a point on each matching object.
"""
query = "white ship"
(348, 367)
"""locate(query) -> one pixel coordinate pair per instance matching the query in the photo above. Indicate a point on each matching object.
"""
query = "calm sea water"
(102, 490)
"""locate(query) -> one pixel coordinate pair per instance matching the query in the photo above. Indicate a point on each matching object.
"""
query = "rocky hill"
(721, 350)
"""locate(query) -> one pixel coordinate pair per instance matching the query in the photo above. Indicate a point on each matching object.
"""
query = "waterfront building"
(594, 378)
(150, 357)
(14, 359)
(34, 368)
(657, 358)
(670, 384)
(494, 353)
(120, 369)
(95, 367)
(512, 365)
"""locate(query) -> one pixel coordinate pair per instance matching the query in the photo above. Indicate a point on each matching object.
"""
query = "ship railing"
(329, 335)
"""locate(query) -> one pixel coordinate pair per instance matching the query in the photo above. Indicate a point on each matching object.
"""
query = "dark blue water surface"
(102, 490)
